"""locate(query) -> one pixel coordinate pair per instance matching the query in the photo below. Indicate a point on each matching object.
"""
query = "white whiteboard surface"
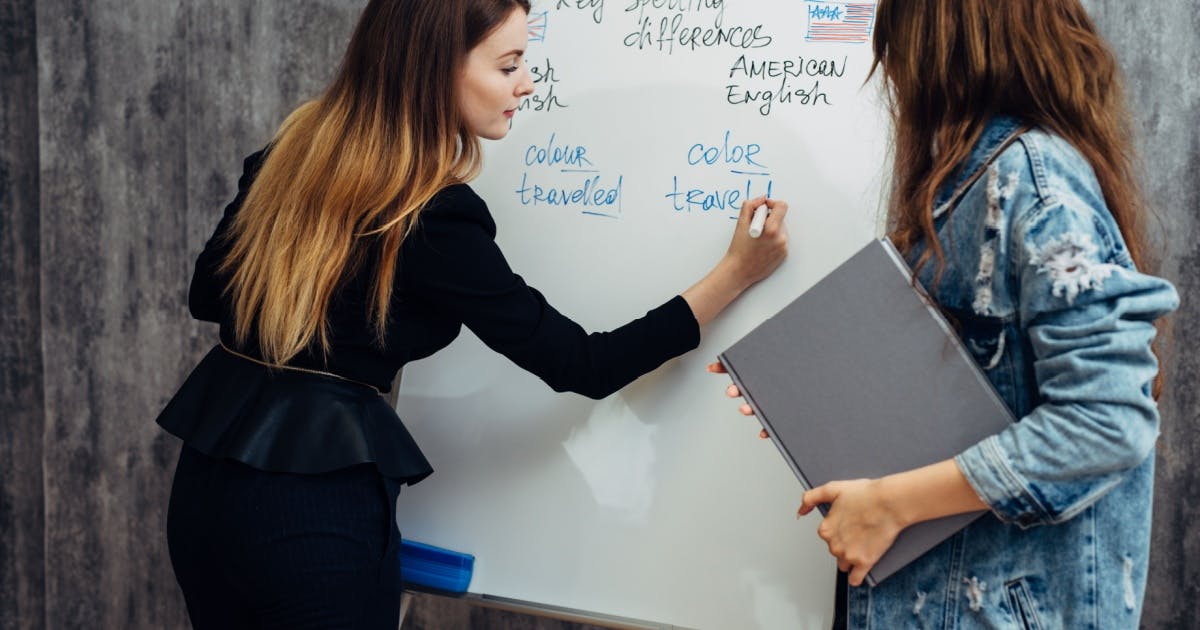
(658, 503)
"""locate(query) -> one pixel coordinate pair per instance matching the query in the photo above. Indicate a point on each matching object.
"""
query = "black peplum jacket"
(450, 273)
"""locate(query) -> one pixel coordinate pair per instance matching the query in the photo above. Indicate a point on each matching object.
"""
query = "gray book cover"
(862, 377)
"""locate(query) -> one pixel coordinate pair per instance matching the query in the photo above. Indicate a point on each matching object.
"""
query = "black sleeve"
(452, 262)
(204, 295)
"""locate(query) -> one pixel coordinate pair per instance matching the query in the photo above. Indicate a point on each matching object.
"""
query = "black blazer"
(450, 273)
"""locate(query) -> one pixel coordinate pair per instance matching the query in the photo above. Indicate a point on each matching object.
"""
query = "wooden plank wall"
(22, 411)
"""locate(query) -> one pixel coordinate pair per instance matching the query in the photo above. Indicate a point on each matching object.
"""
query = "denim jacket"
(1049, 302)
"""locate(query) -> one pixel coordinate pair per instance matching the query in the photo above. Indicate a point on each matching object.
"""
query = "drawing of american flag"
(843, 22)
(537, 26)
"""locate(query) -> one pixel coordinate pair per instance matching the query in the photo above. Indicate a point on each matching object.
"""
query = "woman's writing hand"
(747, 261)
(859, 527)
(732, 392)
(753, 259)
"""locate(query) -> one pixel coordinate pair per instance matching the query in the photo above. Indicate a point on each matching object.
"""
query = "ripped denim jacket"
(1049, 302)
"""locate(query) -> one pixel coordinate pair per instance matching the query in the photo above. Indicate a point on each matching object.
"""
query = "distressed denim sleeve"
(1088, 317)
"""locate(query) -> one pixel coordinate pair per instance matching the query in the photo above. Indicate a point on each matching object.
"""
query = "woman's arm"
(747, 261)
(204, 293)
(866, 515)
(452, 265)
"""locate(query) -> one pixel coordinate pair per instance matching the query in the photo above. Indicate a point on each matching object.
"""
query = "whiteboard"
(615, 190)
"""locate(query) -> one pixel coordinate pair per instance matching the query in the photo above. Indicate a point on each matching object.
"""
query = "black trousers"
(255, 549)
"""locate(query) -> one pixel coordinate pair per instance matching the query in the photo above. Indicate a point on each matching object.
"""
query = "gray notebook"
(859, 377)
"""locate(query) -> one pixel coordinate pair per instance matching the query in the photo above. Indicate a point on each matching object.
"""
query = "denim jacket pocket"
(1020, 603)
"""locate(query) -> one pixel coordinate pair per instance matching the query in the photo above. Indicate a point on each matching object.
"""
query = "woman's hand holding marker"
(748, 260)
(756, 257)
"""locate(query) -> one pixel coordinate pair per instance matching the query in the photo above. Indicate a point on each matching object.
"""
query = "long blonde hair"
(357, 164)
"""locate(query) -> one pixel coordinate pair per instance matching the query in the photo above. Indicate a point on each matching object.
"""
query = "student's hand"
(732, 392)
(753, 259)
(859, 527)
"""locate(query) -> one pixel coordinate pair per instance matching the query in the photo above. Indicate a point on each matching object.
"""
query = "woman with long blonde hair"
(1014, 197)
(354, 246)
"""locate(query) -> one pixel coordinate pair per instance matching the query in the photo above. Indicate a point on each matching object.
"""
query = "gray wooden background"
(122, 128)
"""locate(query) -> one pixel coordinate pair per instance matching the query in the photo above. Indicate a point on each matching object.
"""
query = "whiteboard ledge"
(545, 610)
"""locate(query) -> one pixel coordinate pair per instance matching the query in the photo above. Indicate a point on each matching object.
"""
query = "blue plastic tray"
(434, 567)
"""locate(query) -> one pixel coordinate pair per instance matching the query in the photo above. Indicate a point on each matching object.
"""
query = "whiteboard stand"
(557, 613)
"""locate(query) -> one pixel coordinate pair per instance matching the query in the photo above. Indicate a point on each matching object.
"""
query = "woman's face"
(495, 78)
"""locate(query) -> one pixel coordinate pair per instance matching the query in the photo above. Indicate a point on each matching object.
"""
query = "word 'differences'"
(563, 175)
(762, 77)
(731, 170)
(689, 25)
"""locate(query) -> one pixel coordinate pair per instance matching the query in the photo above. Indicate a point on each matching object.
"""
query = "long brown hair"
(357, 163)
(951, 65)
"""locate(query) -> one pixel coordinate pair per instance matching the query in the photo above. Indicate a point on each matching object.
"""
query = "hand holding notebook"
(861, 379)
